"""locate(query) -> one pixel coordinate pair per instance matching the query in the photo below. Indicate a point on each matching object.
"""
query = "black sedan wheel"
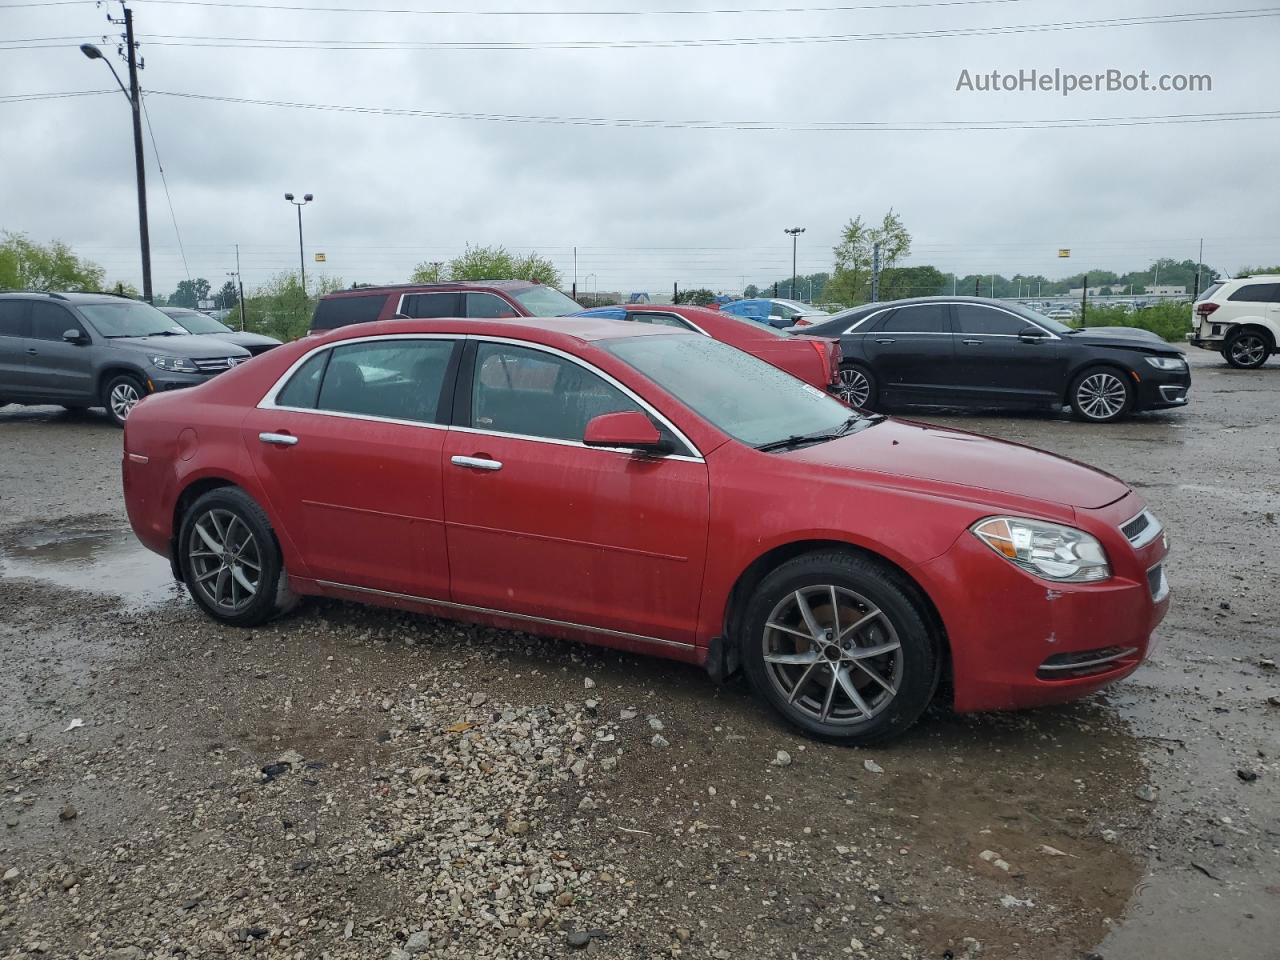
(1101, 395)
(230, 559)
(1247, 350)
(837, 645)
(858, 386)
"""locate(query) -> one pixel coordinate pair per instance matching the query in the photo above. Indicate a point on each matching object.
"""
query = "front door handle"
(279, 439)
(477, 463)
(886, 340)
(32, 351)
(972, 343)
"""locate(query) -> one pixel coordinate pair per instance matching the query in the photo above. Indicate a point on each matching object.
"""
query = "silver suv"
(83, 350)
(1240, 319)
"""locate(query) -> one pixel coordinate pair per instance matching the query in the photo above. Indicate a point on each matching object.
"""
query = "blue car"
(775, 313)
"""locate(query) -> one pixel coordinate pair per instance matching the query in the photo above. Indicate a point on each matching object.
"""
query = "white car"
(1239, 319)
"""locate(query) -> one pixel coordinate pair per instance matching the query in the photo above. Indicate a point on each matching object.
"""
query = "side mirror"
(1031, 334)
(74, 336)
(630, 429)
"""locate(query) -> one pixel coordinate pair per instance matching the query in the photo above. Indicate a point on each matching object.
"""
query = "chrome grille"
(216, 364)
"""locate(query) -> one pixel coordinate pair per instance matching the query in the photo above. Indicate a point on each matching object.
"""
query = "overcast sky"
(645, 207)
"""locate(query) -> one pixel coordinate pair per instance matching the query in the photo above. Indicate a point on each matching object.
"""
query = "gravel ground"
(354, 782)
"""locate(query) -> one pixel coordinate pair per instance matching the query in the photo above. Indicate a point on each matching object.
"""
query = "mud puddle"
(108, 562)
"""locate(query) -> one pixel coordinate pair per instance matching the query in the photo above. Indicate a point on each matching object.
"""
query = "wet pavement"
(1143, 822)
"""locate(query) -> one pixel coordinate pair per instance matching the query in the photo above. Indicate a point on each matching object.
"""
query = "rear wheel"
(1101, 395)
(120, 395)
(858, 386)
(835, 643)
(1247, 349)
(230, 560)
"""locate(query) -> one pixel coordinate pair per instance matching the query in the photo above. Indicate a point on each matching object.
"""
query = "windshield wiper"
(854, 424)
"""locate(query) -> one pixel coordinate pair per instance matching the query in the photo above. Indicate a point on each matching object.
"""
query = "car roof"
(548, 331)
(428, 287)
(71, 296)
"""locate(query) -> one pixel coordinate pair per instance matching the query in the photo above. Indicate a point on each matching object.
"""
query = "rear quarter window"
(335, 312)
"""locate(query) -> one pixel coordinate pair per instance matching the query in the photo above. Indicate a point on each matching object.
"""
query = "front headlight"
(1046, 550)
(1167, 363)
(175, 364)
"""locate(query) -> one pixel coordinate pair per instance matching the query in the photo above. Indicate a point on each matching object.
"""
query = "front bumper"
(1158, 389)
(1207, 343)
(162, 381)
(1018, 641)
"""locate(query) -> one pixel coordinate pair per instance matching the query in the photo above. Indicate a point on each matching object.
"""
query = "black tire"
(857, 380)
(1101, 394)
(224, 515)
(116, 394)
(1247, 349)
(866, 591)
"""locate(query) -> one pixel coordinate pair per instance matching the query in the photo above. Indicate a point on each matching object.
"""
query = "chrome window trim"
(617, 384)
(555, 441)
(869, 316)
(507, 613)
(1049, 334)
(1152, 530)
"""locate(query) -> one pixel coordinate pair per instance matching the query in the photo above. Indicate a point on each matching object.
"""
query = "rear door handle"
(972, 343)
(886, 340)
(32, 351)
(477, 463)
(279, 439)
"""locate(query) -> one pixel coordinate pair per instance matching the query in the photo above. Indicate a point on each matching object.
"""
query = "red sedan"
(814, 360)
(619, 484)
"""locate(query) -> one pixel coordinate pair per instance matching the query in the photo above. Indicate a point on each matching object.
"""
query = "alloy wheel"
(833, 655)
(1248, 350)
(855, 388)
(225, 560)
(1102, 396)
(124, 397)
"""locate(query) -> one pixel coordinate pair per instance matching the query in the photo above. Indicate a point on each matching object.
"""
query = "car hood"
(1119, 337)
(191, 346)
(925, 452)
(246, 340)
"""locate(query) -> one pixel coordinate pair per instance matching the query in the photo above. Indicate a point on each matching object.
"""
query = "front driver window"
(534, 394)
(971, 318)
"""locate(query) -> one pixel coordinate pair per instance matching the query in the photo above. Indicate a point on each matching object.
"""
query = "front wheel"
(1247, 350)
(835, 643)
(1101, 395)
(121, 395)
(230, 560)
(858, 386)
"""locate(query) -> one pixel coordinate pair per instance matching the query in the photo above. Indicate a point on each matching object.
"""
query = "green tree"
(190, 293)
(751, 292)
(897, 283)
(280, 308)
(27, 265)
(698, 297)
(851, 282)
(228, 297)
(428, 272)
(1248, 272)
(489, 263)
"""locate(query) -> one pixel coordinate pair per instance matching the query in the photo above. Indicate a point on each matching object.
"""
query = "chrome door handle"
(477, 463)
(32, 351)
(972, 343)
(886, 341)
(280, 439)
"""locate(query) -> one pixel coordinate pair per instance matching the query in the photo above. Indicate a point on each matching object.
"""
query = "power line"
(751, 125)
(165, 181)
(22, 97)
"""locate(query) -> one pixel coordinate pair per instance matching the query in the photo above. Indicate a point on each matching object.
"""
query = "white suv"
(1239, 319)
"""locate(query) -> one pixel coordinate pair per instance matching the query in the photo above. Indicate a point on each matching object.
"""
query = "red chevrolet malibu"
(654, 490)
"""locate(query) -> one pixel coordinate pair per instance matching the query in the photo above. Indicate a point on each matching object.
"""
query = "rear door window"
(1257, 293)
(921, 318)
(13, 318)
(426, 306)
(334, 312)
(398, 379)
(304, 386)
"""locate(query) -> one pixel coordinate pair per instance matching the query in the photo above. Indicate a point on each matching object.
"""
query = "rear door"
(58, 369)
(348, 451)
(15, 330)
(542, 526)
(912, 353)
(993, 363)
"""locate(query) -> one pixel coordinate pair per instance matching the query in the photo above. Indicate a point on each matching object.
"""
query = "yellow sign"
(320, 258)
(1062, 252)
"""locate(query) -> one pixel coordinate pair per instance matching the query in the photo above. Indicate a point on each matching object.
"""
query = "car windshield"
(546, 302)
(129, 318)
(1035, 316)
(196, 322)
(712, 379)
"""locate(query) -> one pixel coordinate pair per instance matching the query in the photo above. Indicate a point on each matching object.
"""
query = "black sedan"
(971, 351)
(201, 324)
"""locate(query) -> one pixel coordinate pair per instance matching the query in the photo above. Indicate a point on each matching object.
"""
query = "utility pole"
(953, 284)
(135, 98)
(240, 285)
(675, 291)
(574, 295)
(977, 286)
(875, 273)
(1084, 299)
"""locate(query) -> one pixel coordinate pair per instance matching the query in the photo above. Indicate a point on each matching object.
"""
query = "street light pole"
(134, 96)
(795, 236)
(302, 259)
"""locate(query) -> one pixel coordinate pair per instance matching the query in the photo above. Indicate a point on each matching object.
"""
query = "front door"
(994, 364)
(911, 352)
(349, 454)
(542, 526)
